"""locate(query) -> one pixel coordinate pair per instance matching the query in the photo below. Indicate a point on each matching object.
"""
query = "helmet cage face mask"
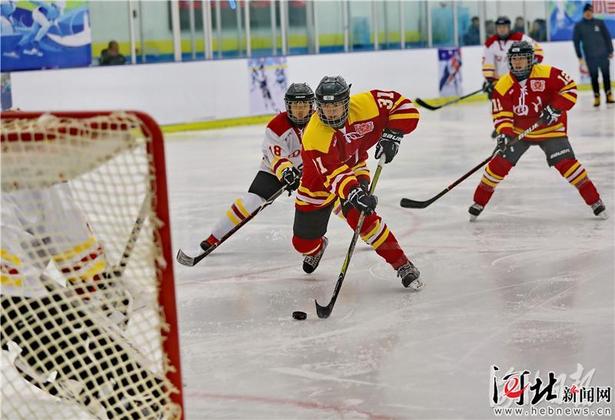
(335, 122)
(521, 74)
(300, 122)
(299, 93)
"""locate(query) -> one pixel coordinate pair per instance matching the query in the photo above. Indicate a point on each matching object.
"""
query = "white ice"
(528, 286)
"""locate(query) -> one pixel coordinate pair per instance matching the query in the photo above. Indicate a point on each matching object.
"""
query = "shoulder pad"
(541, 71)
(491, 40)
(317, 136)
(363, 107)
(280, 124)
(504, 84)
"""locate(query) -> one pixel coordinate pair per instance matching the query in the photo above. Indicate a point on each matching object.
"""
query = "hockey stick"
(118, 269)
(454, 101)
(413, 204)
(189, 261)
(325, 311)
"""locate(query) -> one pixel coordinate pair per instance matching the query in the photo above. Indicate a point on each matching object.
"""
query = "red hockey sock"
(307, 246)
(496, 170)
(575, 174)
(376, 234)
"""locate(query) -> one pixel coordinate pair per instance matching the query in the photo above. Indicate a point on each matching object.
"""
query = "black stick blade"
(187, 260)
(323, 311)
(413, 204)
(426, 105)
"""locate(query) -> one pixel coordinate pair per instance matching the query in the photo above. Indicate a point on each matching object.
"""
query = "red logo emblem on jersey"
(538, 85)
(364, 128)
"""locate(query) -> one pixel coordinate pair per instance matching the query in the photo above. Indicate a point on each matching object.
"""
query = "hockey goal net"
(89, 325)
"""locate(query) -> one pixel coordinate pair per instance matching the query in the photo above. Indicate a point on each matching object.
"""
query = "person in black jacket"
(111, 56)
(597, 49)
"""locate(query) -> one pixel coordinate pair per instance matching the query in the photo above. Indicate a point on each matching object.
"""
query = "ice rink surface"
(529, 286)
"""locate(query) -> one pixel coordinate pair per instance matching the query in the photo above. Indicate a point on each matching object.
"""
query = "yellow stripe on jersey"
(90, 243)
(343, 185)
(11, 258)
(8, 281)
(335, 173)
(571, 85)
(541, 71)
(504, 84)
(501, 126)
(363, 107)
(399, 101)
(546, 130)
(408, 116)
(503, 114)
(315, 194)
(569, 97)
(97, 268)
(281, 168)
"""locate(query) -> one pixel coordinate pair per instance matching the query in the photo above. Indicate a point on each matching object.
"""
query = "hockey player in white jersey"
(60, 334)
(495, 60)
(281, 162)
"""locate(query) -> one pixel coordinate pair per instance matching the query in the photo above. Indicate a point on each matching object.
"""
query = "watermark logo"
(519, 392)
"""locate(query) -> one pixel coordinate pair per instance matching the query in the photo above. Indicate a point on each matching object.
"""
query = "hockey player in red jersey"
(335, 146)
(495, 61)
(532, 92)
(281, 162)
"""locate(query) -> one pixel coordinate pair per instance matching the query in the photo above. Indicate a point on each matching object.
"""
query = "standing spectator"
(519, 25)
(111, 56)
(472, 36)
(539, 30)
(489, 27)
(597, 49)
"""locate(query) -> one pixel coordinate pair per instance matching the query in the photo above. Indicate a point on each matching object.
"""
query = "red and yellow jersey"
(335, 160)
(517, 105)
(495, 54)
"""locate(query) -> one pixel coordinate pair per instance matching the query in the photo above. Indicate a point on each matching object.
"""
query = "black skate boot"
(310, 262)
(410, 276)
(600, 210)
(475, 210)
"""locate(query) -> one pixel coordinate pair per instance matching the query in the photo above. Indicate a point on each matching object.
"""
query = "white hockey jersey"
(39, 226)
(495, 60)
(281, 146)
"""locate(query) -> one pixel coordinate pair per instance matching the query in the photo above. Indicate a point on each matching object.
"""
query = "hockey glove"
(362, 201)
(488, 86)
(503, 141)
(550, 115)
(292, 177)
(388, 144)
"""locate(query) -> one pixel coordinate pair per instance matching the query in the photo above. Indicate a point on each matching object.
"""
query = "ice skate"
(410, 276)
(310, 262)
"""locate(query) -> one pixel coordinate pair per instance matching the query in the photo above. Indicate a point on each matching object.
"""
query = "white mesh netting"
(84, 334)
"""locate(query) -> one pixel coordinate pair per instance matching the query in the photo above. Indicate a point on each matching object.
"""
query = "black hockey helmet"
(500, 21)
(299, 92)
(332, 90)
(521, 49)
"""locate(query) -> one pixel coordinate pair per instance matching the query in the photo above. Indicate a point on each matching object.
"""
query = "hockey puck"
(299, 316)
